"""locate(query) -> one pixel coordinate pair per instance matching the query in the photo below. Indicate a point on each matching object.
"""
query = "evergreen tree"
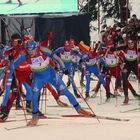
(111, 8)
(91, 8)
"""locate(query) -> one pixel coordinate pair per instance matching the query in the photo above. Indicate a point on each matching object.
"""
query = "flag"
(83, 47)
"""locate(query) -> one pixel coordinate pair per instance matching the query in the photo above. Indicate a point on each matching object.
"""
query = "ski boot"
(126, 100)
(85, 113)
(107, 98)
(33, 121)
(87, 95)
(3, 114)
(76, 94)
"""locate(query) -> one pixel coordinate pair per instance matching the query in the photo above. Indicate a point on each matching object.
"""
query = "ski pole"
(86, 102)
(23, 108)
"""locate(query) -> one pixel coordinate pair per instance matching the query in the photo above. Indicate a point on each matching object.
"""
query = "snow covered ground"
(57, 127)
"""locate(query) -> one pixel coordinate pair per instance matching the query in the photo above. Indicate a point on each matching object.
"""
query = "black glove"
(80, 61)
(56, 68)
(11, 57)
(65, 71)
